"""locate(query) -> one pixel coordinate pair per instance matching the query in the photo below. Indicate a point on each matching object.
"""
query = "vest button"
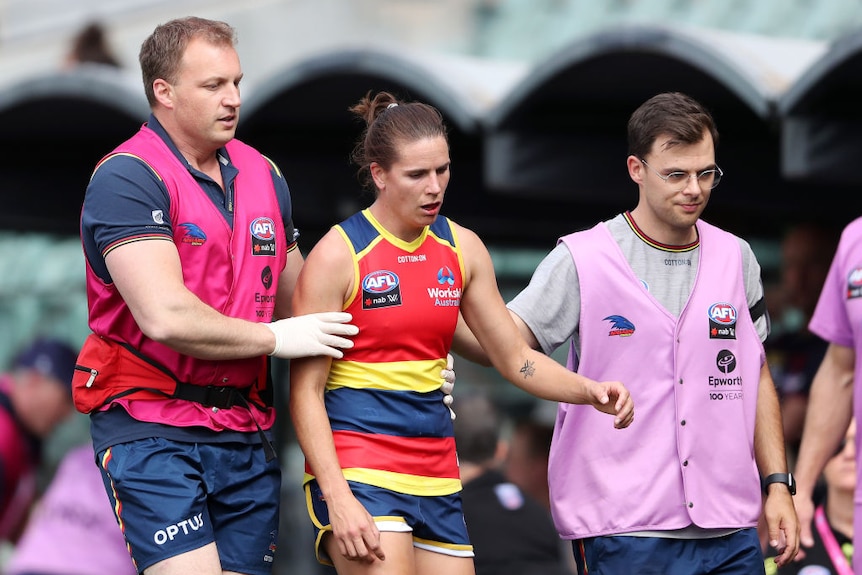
(682, 422)
(685, 463)
(690, 504)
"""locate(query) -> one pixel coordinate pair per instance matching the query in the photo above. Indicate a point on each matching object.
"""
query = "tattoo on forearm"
(528, 370)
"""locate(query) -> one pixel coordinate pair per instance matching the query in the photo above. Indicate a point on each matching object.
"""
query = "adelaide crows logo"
(620, 326)
(194, 235)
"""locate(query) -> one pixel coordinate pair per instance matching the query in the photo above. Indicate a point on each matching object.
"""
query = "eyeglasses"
(706, 179)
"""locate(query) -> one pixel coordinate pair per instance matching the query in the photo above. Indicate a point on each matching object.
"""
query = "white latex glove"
(448, 384)
(312, 334)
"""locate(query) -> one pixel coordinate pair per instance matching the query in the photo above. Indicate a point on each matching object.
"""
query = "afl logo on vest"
(380, 288)
(854, 284)
(722, 321)
(262, 237)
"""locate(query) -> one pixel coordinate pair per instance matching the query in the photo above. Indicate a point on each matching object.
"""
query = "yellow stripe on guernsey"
(404, 482)
(401, 482)
(419, 376)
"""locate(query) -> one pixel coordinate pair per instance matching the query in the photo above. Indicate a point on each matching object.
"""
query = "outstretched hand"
(312, 334)
(613, 398)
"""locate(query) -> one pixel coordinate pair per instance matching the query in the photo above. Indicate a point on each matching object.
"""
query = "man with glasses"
(673, 307)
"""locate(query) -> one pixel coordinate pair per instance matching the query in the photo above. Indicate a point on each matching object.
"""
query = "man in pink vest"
(673, 307)
(191, 263)
(834, 399)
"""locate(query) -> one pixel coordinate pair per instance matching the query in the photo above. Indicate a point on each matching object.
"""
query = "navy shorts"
(735, 554)
(436, 522)
(171, 497)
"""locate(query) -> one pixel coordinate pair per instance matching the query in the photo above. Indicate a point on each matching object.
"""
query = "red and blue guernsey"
(383, 398)
(247, 259)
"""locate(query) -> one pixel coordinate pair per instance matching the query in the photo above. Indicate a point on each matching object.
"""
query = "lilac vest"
(235, 271)
(688, 457)
(76, 517)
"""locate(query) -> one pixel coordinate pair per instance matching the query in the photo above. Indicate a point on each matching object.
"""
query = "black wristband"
(785, 478)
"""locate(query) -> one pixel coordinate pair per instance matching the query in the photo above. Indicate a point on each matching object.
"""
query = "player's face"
(668, 212)
(410, 192)
(206, 94)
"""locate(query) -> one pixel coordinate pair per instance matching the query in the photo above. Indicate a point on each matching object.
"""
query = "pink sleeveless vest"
(234, 270)
(689, 455)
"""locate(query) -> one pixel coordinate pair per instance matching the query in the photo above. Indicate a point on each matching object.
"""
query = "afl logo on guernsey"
(722, 321)
(262, 237)
(381, 288)
(854, 283)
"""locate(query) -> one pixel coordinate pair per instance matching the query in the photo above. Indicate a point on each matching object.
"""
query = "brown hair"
(389, 124)
(162, 52)
(672, 114)
(90, 45)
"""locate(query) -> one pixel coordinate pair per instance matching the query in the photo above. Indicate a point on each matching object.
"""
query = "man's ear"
(636, 169)
(164, 93)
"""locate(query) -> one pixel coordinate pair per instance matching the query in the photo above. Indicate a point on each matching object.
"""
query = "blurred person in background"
(526, 463)
(35, 398)
(832, 551)
(72, 530)
(511, 532)
(834, 398)
(90, 46)
(792, 351)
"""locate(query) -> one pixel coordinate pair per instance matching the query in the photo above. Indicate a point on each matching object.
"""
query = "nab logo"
(262, 228)
(381, 281)
(722, 313)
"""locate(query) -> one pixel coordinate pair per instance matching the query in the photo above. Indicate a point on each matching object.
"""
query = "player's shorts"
(436, 522)
(171, 497)
(735, 554)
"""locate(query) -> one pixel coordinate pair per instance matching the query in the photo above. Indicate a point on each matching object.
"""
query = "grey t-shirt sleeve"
(753, 286)
(550, 305)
